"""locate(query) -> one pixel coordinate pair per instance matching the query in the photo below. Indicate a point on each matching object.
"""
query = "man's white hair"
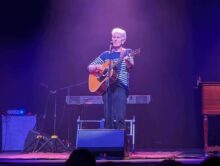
(121, 31)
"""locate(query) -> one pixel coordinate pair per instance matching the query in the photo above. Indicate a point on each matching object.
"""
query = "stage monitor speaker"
(15, 129)
(110, 142)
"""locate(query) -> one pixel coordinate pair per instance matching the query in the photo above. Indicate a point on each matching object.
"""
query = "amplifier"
(15, 130)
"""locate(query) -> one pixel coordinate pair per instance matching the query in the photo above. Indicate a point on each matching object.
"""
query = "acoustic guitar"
(97, 81)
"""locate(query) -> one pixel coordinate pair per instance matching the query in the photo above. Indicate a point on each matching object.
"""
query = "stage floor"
(187, 157)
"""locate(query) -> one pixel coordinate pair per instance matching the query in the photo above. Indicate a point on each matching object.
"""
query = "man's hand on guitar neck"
(129, 61)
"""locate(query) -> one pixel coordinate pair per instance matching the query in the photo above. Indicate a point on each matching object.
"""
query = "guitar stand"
(54, 144)
(36, 143)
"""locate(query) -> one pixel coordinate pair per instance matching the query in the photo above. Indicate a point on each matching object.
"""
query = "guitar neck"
(132, 54)
(118, 62)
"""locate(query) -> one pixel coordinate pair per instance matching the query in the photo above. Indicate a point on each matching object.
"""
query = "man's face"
(117, 40)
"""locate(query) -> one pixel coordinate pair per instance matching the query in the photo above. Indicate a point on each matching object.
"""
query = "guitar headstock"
(135, 52)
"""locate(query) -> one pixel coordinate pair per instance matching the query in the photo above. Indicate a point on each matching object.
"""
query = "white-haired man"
(115, 97)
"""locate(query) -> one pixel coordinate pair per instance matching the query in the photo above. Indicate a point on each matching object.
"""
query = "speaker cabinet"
(111, 142)
(15, 129)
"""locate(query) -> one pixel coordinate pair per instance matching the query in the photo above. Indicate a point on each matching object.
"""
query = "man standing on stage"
(115, 97)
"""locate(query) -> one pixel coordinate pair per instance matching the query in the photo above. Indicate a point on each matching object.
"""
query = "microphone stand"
(54, 141)
(109, 120)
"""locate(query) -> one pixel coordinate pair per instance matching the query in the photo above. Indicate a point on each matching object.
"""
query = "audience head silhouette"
(170, 162)
(212, 160)
(81, 157)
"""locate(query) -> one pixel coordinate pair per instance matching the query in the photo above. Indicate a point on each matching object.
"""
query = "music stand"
(54, 143)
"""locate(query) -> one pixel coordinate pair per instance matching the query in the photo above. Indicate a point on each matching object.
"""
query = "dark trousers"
(117, 100)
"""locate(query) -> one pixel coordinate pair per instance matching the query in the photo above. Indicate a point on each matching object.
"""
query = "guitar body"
(97, 81)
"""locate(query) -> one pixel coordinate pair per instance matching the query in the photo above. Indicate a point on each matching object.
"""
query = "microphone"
(110, 46)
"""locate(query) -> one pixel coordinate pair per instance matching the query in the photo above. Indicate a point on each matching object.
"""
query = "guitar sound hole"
(101, 77)
(105, 72)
